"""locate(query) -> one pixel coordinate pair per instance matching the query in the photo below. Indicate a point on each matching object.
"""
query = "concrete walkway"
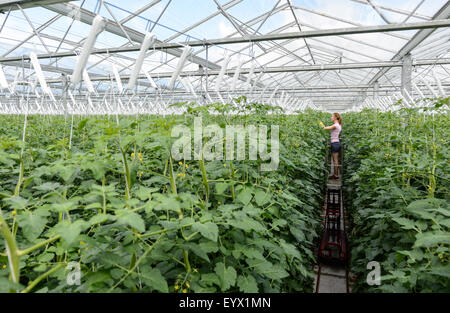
(332, 278)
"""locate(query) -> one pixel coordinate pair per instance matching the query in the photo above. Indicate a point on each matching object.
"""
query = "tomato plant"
(104, 192)
(397, 188)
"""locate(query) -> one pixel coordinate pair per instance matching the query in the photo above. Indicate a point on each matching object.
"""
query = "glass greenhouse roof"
(322, 69)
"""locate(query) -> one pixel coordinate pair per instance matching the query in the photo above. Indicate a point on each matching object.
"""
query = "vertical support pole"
(438, 83)
(376, 87)
(206, 71)
(65, 87)
(406, 75)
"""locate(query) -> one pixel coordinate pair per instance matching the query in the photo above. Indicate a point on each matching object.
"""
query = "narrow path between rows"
(332, 253)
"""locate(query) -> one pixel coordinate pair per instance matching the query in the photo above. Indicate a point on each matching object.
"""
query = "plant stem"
(172, 176)
(40, 278)
(37, 246)
(19, 182)
(127, 175)
(11, 250)
(136, 264)
(204, 177)
(162, 231)
(186, 261)
(232, 179)
(103, 194)
(180, 212)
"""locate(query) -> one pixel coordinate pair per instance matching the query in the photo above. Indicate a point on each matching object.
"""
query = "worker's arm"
(330, 127)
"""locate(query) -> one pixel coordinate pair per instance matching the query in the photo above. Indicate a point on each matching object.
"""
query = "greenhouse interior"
(125, 126)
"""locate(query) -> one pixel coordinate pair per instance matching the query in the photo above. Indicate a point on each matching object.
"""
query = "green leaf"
(70, 232)
(444, 212)
(144, 193)
(17, 202)
(445, 222)
(253, 254)
(209, 279)
(290, 197)
(153, 279)
(186, 220)
(6, 285)
(116, 273)
(32, 224)
(443, 271)
(227, 276)
(99, 218)
(422, 213)
(98, 169)
(96, 277)
(132, 202)
(198, 250)
(262, 197)
(170, 225)
(297, 233)
(66, 172)
(247, 224)
(167, 203)
(272, 271)
(82, 124)
(221, 187)
(27, 182)
(64, 206)
(276, 272)
(290, 249)
(247, 284)
(48, 186)
(46, 257)
(95, 205)
(423, 204)
(245, 196)
(125, 141)
(393, 288)
(429, 239)
(131, 219)
(404, 222)
(40, 268)
(209, 246)
(414, 255)
(423, 207)
(208, 230)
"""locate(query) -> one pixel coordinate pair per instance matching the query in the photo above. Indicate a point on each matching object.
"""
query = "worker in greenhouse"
(335, 143)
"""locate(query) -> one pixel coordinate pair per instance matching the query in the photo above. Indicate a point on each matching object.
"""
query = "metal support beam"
(413, 11)
(33, 28)
(38, 30)
(25, 4)
(141, 10)
(406, 76)
(65, 88)
(87, 17)
(443, 13)
(300, 29)
(395, 10)
(340, 19)
(319, 33)
(173, 48)
(279, 69)
(375, 7)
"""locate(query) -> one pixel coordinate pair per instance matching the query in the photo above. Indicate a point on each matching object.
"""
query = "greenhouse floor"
(332, 279)
(332, 276)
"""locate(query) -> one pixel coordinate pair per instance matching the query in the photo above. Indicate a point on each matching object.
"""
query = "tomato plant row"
(106, 194)
(397, 188)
